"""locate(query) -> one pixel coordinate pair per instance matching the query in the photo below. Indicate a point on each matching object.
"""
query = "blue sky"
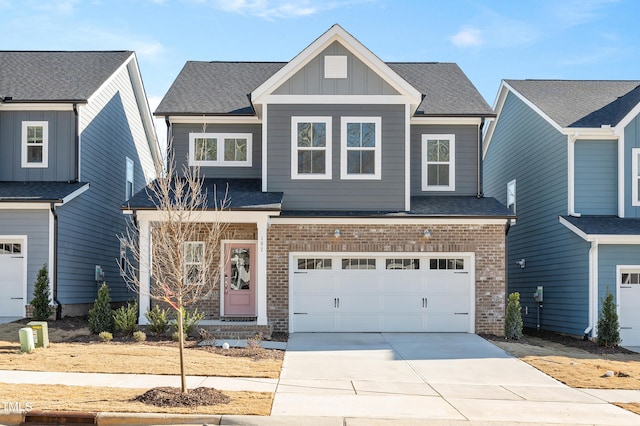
(489, 39)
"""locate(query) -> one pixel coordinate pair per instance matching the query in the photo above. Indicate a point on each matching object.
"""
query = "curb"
(143, 419)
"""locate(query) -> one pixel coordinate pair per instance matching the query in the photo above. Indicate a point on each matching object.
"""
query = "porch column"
(144, 265)
(261, 288)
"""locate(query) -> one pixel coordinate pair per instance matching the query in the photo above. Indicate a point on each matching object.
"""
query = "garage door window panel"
(314, 264)
(367, 264)
(457, 264)
(402, 264)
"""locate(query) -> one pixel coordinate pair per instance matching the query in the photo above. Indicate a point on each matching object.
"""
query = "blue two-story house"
(354, 188)
(76, 141)
(565, 157)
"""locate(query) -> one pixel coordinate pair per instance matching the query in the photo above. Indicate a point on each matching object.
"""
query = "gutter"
(54, 268)
(77, 144)
(593, 291)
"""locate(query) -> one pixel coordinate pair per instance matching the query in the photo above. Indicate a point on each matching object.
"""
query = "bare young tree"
(185, 243)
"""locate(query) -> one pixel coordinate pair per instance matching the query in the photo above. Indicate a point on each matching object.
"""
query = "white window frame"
(511, 195)
(377, 174)
(452, 162)
(188, 263)
(635, 177)
(328, 174)
(129, 182)
(220, 137)
(45, 144)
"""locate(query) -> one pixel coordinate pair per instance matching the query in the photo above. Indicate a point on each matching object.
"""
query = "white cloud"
(54, 6)
(579, 12)
(467, 37)
(273, 9)
(602, 55)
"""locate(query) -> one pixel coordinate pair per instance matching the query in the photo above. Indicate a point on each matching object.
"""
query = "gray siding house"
(355, 198)
(564, 156)
(76, 141)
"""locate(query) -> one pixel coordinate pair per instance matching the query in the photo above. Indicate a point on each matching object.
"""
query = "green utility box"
(40, 333)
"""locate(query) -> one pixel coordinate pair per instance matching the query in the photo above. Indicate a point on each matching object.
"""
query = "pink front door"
(239, 280)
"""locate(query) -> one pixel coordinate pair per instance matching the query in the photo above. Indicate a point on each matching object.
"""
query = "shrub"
(139, 336)
(255, 342)
(158, 320)
(41, 301)
(190, 320)
(175, 336)
(608, 325)
(126, 319)
(105, 336)
(101, 315)
(513, 317)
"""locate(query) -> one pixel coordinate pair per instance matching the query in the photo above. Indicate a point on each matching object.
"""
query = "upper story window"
(511, 195)
(129, 179)
(438, 163)
(220, 149)
(311, 148)
(361, 148)
(635, 178)
(35, 144)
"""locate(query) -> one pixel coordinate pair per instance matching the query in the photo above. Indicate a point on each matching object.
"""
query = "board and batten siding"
(180, 133)
(631, 140)
(610, 256)
(90, 224)
(61, 146)
(466, 158)
(596, 177)
(35, 225)
(527, 148)
(337, 194)
(361, 80)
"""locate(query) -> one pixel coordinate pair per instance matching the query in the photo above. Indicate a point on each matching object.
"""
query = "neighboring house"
(565, 156)
(76, 140)
(355, 198)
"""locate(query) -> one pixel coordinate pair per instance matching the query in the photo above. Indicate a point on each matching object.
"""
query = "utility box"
(40, 333)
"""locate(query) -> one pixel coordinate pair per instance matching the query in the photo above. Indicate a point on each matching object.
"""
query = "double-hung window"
(635, 178)
(194, 262)
(361, 148)
(220, 149)
(311, 148)
(438, 163)
(35, 144)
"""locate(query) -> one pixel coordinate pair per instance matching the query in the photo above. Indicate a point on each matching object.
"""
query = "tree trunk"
(183, 377)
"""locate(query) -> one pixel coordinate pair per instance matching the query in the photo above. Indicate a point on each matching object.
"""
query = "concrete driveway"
(443, 376)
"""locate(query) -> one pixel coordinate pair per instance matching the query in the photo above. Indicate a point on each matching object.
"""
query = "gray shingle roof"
(29, 192)
(41, 76)
(243, 194)
(581, 103)
(224, 88)
(425, 206)
(605, 225)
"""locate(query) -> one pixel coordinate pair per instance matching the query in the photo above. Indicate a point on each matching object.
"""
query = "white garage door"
(630, 307)
(11, 279)
(356, 293)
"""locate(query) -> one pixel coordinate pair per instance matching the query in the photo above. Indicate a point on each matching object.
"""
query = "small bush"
(101, 315)
(513, 317)
(41, 301)
(190, 320)
(175, 336)
(139, 336)
(105, 336)
(126, 319)
(158, 320)
(255, 342)
(608, 325)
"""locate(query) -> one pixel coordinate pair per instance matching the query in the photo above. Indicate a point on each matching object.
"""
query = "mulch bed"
(255, 353)
(173, 397)
(564, 339)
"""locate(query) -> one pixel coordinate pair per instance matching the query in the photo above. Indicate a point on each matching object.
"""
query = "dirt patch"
(66, 330)
(254, 353)
(174, 397)
(575, 362)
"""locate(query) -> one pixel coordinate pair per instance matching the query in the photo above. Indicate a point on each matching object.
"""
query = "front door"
(12, 279)
(239, 280)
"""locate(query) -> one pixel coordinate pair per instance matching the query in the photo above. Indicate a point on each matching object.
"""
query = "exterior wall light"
(336, 233)
(426, 233)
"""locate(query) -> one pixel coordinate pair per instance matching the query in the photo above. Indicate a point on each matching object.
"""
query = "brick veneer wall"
(486, 241)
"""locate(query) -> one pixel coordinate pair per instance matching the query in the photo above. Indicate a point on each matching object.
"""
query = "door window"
(240, 269)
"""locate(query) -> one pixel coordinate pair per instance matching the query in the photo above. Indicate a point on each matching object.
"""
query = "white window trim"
(377, 174)
(635, 200)
(220, 137)
(452, 163)
(187, 263)
(328, 174)
(129, 178)
(45, 144)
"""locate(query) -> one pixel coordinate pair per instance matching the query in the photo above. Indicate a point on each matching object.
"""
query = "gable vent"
(335, 66)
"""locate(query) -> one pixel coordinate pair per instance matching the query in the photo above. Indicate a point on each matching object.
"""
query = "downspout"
(76, 172)
(54, 267)
(480, 194)
(593, 290)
